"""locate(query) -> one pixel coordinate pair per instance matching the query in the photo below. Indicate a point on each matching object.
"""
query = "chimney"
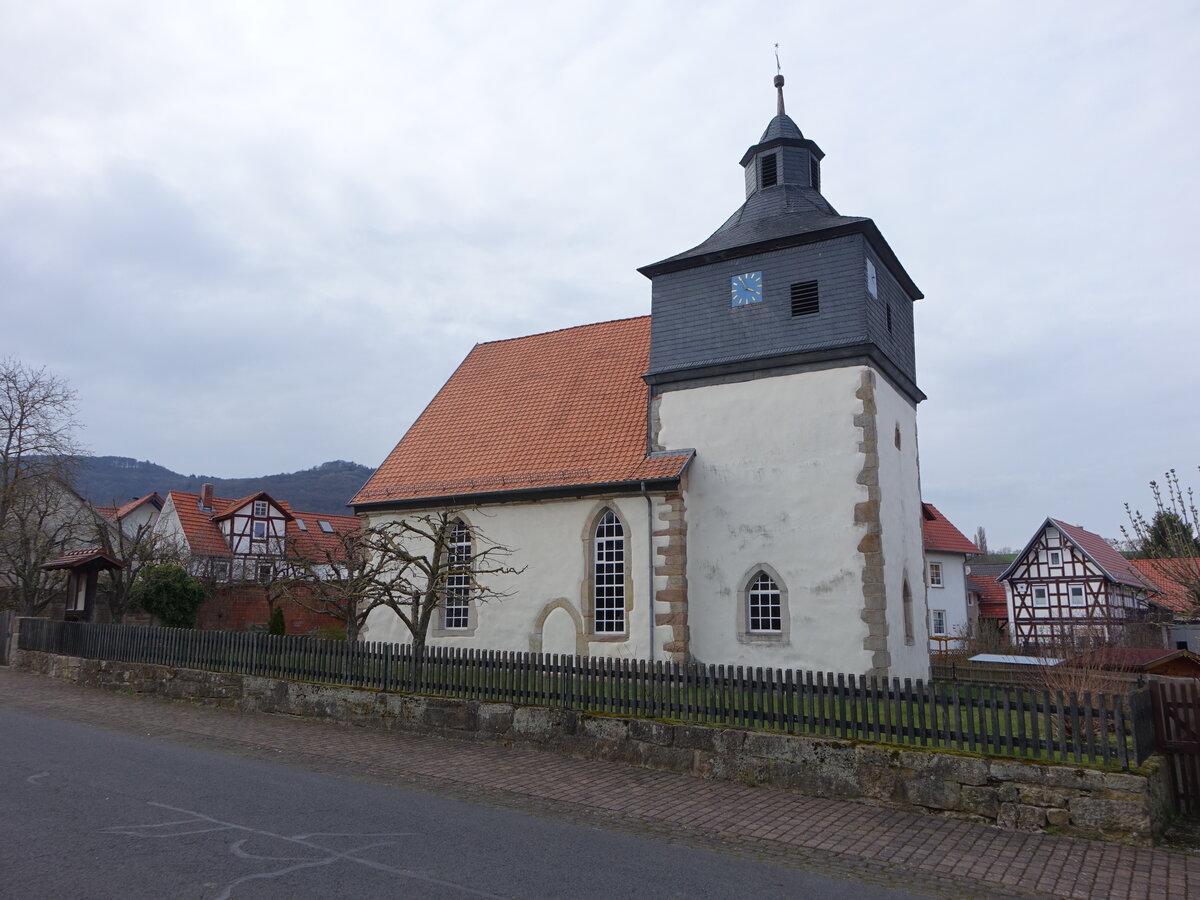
(206, 498)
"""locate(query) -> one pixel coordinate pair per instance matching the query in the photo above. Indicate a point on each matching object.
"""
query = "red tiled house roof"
(941, 535)
(561, 409)
(1102, 553)
(1170, 593)
(992, 601)
(204, 535)
(117, 513)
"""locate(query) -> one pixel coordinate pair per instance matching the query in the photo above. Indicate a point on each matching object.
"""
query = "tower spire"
(778, 83)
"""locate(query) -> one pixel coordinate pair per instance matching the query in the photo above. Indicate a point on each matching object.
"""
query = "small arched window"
(909, 637)
(764, 605)
(456, 608)
(608, 585)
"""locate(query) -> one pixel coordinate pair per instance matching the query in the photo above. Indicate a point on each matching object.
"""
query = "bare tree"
(37, 429)
(425, 561)
(45, 520)
(1168, 538)
(137, 546)
(981, 540)
(341, 579)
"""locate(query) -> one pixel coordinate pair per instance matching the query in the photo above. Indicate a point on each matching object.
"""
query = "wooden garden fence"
(1114, 730)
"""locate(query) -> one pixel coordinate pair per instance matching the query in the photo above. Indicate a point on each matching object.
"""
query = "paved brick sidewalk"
(928, 854)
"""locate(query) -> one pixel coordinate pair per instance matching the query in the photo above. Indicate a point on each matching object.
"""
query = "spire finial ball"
(778, 81)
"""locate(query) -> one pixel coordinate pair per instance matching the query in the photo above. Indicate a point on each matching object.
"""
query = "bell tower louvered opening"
(769, 168)
(806, 299)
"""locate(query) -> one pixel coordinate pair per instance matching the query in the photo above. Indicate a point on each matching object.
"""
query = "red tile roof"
(992, 601)
(941, 535)
(78, 558)
(117, 513)
(560, 409)
(1172, 595)
(1102, 553)
(204, 535)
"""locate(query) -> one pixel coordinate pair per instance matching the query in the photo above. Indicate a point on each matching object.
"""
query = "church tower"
(782, 351)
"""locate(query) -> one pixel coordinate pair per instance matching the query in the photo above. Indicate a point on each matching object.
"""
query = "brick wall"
(241, 607)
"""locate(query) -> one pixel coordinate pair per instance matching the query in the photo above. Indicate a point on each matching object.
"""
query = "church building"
(731, 479)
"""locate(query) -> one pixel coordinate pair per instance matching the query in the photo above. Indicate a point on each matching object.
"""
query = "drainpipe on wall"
(650, 565)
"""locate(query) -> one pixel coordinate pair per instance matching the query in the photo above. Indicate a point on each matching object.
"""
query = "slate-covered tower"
(782, 351)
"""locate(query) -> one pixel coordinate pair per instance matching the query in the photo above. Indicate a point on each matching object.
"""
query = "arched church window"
(908, 613)
(608, 584)
(456, 607)
(764, 605)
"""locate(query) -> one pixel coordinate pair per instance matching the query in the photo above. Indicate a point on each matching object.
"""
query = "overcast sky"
(258, 236)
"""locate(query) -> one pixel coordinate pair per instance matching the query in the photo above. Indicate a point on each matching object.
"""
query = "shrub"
(276, 625)
(170, 594)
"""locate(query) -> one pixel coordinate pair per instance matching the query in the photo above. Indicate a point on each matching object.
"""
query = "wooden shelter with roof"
(83, 568)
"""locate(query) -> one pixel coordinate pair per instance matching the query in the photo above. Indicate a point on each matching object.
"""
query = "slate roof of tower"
(940, 533)
(560, 409)
(781, 127)
(782, 211)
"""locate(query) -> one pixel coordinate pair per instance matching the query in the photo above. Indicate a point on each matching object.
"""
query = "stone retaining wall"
(1125, 806)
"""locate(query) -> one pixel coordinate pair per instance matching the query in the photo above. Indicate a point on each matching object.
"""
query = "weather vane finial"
(778, 82)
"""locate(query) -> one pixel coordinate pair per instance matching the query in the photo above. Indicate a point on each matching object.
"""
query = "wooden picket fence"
(1097, 729)
(1177, 729)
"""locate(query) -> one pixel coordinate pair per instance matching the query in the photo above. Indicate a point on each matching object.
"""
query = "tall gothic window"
(764, 606)
(609, 575)
(456, 608)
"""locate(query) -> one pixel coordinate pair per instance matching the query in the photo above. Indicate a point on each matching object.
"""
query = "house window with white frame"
(935, 575)
(1041, 598)
(456, 608)
(1077, 595)
(608, 588)
(259, 532)
(1055, 558)
(937, 622)
(260, 508)
(764, 606)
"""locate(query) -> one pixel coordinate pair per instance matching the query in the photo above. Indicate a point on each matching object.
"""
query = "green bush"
(276, 625)
(170, 594)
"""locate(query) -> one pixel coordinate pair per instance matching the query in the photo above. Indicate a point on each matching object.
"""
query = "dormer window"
(770, 170)
(260, 507)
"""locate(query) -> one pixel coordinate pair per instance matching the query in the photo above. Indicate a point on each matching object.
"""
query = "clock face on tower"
(745, 289)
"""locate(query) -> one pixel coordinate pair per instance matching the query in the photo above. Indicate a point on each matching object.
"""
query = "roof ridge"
(524, 337)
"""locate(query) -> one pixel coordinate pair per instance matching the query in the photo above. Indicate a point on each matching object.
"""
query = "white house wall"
(551, 540)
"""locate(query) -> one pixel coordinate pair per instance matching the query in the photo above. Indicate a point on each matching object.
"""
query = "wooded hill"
(112, 480)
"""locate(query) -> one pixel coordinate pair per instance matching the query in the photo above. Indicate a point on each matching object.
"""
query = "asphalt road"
(91, 813)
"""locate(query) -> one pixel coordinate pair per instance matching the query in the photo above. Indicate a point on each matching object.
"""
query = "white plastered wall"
(551, 540)
(774, 482)
(903, 541)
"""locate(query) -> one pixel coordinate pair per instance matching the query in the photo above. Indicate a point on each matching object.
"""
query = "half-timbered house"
(238, 546)
(1070, 586)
